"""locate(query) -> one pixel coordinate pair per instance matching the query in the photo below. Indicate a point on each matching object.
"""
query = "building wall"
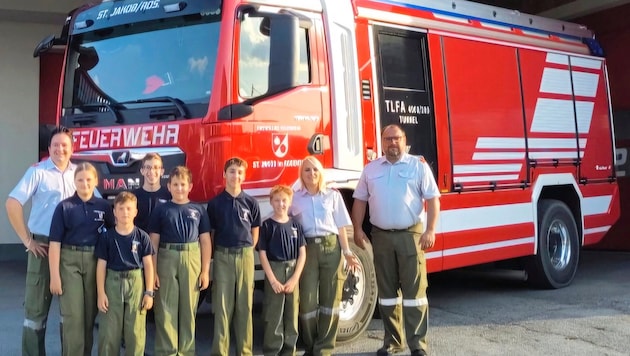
(19, 98)
(612, 29)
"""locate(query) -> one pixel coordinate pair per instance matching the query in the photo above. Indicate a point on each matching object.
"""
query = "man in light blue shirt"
(45, 183)
(396, 186)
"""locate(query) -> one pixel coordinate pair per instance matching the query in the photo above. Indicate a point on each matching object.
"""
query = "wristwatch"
(347, 252)
(149, 293)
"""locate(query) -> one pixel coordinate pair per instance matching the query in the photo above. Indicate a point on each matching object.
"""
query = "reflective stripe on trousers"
(35, 325)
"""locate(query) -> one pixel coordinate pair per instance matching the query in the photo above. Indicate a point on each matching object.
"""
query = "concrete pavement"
(472, 313)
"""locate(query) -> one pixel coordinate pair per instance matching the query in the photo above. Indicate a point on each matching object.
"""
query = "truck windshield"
(141, 72)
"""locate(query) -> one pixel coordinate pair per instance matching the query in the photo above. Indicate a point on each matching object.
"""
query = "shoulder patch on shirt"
(421, 159)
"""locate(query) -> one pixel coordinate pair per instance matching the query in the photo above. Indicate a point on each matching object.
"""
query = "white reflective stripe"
(389, 302)
(415, 302)
(35, 325)
(310, 315)
(329, 311)
(596, 205)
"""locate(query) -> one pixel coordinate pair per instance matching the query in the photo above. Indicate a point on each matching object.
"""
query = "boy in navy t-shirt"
(123, 300)
(235, 219)
(282, 254)
(152, 192)
(181, 231)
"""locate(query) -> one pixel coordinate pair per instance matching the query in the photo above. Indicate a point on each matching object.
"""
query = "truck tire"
(558, 252)
(359, 296)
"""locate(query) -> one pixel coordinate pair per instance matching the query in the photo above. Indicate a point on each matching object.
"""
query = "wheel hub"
(352, 294)
(559, 244)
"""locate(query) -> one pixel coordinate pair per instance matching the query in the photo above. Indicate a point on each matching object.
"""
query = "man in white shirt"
(46, 184)
(395, 186)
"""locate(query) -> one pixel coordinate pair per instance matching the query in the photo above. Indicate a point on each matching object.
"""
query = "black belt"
(232, 250)
(40, 238)
(290, 263)
(78, 248)
(411, 228)
(319, 239)
(180, 247)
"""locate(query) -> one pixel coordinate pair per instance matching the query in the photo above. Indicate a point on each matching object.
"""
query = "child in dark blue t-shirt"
(180, 231)
(282, 254)
(123, 254)
(152, 193)
(235, 219)
(76, 226)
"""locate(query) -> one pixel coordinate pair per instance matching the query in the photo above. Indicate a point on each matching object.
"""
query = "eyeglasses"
(153, 168)
(393, 138)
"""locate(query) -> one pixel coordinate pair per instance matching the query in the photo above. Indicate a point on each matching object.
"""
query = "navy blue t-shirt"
(124, 253)
(232, 219)
(80, 223)
(281, 241)
(147, 201)
(179, 223)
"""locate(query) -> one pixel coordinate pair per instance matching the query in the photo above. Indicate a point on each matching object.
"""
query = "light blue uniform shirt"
(47, 186)
(321, 214)
(395, 192)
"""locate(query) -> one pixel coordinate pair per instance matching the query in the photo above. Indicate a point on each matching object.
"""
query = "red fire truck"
(512, 112)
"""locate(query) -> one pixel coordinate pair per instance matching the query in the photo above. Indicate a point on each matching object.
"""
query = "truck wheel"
(556, 261)
(359, 296)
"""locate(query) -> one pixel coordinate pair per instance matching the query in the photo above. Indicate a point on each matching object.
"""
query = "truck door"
(404, 88)
(278, 76)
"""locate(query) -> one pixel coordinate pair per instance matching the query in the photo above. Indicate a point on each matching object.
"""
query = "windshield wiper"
(80, 118)
(178, 103)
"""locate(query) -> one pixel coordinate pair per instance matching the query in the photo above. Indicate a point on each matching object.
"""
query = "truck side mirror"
(44, 45)
(284, 32)
(47, 43)
(276, 50)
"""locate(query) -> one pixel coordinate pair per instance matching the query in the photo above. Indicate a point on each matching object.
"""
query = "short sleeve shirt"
(232, 219)
(124, 252)
(147, 201)
(395, 192)
(80, 223)
(46, 185)
(320, 214)
(179, 223)
(281, 241)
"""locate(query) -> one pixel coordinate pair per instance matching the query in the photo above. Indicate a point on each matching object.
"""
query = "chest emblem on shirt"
(193, 214)
(100, 215)
(294, 232)
(245, 214)
(134, 246)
